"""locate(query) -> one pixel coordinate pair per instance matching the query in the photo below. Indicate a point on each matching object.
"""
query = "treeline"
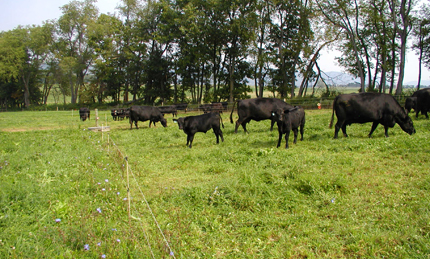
(201, 51)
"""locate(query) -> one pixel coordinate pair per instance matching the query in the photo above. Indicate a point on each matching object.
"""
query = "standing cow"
(144, 113)
(369, 107)
(84, 113)
(201, 123)
(114, 113)
(287, 120)
(257, 109)
(419, 101)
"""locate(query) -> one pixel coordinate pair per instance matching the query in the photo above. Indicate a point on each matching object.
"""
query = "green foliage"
(243, 198)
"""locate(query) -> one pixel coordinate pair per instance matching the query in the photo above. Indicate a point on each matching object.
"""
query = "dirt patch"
(28, 129)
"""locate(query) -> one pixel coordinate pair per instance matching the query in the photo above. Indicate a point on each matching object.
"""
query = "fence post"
(128, 192)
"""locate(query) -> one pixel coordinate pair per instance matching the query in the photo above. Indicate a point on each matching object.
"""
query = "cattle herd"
(349, 108)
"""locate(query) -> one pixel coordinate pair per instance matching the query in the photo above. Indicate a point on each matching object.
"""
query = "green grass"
(244, 198)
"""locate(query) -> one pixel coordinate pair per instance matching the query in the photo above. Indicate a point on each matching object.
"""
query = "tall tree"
(344, 14)
(290, 34)
(422, 35)
(259, 51)
(75, 52)
(403, 29)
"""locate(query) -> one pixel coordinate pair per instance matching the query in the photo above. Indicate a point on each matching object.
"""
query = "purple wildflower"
(58, 220)
(99, 210)
(86, 247)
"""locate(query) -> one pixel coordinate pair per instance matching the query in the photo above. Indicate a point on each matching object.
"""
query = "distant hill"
(339, 78)
(344, 79)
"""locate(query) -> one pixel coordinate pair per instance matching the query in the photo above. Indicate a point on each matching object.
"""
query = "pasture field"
(64, 190)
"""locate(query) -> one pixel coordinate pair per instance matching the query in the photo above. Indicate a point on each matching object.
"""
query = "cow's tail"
(332, 114)
(231, 114)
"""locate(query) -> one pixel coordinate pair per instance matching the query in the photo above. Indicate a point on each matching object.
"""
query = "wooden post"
(97, 117)
(128, 193)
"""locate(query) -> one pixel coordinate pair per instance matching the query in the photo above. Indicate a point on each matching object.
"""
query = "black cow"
(144, 113)
(181, 106)
(211, 107)
(123, 113)
(257, 109)
(114, 113)
(168, 109)
(200, 123)
(419, 101)
(290, 119)
(369, 107)
(84, 113)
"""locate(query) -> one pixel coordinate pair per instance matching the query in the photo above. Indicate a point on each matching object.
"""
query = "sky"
(29, 12)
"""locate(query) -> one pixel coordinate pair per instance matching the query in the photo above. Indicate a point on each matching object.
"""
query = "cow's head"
(278, 114)
(163, 122)
(180, 122)
(406, 125)
(410, 103)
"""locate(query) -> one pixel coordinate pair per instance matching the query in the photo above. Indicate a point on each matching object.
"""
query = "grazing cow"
(200, 123)
(114, 113)
(211, 107)
(168, 109)
(257, 109)
(290, 119)
(206, 108)
(144, 113)
(123, 113)
(181, 106)
(84, 113)
(369, 107)
(419, 101)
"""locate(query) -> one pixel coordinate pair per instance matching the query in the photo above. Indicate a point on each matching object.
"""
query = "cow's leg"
(287, 136)
(302, 130)
(344, 130)
(337, 128)
(237, 126)
(272, 122)
(244, 126)
(191, 139)
(188, 139)
(425, 113)
(374, 125)
(135, 124)
(296, 132)
(386, 131)
(218, 133)
(131, 124)
(279, 139)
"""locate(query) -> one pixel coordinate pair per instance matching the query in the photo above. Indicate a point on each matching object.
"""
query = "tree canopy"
(203, 51)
